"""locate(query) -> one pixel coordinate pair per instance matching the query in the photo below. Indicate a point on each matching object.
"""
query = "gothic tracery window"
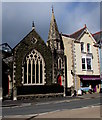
(33, 70)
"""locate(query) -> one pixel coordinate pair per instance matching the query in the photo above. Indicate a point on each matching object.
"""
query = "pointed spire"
(33, 26)
(53, 31)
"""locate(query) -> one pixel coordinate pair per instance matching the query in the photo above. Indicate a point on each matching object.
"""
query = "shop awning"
(90, 77)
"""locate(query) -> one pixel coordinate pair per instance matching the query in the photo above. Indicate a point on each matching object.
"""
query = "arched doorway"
(59, 80)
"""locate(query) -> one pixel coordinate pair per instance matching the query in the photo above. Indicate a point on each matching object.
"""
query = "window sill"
(90, 70)
(84, 70)
(87, 70)
(89, 53)
(33, 84)
(83, 52)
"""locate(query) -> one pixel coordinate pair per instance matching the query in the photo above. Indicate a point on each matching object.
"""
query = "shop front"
(94, 82)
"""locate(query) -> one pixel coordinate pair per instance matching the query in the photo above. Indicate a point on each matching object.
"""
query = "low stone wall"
(39, 96)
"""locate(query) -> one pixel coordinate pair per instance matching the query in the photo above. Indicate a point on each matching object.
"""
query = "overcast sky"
(17, 18)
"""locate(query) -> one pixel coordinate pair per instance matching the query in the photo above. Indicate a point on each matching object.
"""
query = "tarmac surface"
(11, 103)
(85, 112)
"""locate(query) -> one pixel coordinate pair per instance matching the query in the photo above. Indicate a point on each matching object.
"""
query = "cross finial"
(52, 9)
(85, 25)
(33, 26)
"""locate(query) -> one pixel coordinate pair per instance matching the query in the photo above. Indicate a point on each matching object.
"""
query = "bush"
(40, 89)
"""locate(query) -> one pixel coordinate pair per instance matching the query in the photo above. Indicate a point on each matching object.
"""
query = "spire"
(33, 26)
(53, 31)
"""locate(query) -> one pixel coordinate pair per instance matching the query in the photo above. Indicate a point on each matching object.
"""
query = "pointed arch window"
(59, 63)
(33, 72)
(25, 73)
(34, 69)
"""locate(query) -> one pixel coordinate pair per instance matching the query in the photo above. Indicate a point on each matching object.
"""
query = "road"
(44, 107)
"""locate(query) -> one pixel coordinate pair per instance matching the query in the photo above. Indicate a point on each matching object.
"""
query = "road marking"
(54, 102)
(49, 112)
(94, 105)
(16, 106)
(20, 116)
(26, 104)
(44, 103)
(57, 102)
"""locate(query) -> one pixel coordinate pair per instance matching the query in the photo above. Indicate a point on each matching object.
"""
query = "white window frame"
(88, 51)
(90, 64)
(83, 63)
(87, 57)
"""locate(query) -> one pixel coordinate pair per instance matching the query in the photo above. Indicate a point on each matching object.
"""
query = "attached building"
(83, 69)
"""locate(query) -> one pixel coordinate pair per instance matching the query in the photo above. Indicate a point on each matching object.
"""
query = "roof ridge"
(66, 35)
(78, 31)
(97, 32)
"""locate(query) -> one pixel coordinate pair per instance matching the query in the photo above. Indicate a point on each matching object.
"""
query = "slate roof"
(98, 36)
(77, 33)
(5, 50)
(29, 36)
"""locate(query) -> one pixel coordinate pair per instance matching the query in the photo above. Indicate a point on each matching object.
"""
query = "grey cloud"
(18, 17)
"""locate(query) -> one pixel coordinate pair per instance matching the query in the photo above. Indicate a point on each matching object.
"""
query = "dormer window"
(82, 47)
(88, 47)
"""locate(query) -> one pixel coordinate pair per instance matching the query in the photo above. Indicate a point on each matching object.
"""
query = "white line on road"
(20, 116)
(49, 112)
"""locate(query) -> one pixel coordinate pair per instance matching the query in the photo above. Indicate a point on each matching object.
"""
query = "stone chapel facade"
(38, 66)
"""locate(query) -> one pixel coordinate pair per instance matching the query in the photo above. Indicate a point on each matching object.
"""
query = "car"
(86, 89)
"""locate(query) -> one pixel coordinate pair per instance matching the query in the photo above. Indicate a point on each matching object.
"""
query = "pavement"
(11, 103)
(86, 112)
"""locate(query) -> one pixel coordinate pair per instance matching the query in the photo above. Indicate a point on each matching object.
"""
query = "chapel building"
(58, 67)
